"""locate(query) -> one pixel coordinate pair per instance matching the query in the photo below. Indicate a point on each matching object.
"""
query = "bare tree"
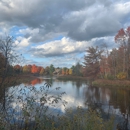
(7, 50)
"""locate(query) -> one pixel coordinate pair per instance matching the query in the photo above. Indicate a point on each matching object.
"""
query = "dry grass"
(111, 83)
(71, 77)
(17, 79)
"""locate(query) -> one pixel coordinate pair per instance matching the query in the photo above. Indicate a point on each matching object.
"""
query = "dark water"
(77, 93)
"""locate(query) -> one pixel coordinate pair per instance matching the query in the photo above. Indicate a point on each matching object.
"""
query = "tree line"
(38, 70)
(99, 62)
(49, 70)
(115, 64)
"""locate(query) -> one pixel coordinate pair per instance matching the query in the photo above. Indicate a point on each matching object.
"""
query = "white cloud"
(82, 23)
(122, 8)
(22, 42)
(59, 48)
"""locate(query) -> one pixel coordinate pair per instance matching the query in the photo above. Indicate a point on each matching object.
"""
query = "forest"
(99, 62)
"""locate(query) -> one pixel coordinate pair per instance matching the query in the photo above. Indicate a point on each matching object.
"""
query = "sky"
(59, 31)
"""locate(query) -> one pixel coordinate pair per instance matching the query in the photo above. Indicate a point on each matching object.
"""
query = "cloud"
(82, 23)
(79, 20)
(108, 41)
(66, 52)
(22, 42)
(28, 31)
(92, 23)
(58, 48)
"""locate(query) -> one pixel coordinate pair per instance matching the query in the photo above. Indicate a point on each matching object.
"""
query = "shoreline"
(70, 77)
(98, 82)
(17, 79)
(111, 83)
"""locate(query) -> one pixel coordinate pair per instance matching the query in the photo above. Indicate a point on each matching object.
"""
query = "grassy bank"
(111, 83)
(98, 82)
(70, 77)
(17, 79)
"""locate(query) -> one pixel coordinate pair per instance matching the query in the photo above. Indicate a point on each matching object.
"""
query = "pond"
(77, 93)
(71, 95)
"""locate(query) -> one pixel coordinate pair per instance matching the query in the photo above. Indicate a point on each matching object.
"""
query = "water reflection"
(118, 98)
(78, 93)
(36, 81)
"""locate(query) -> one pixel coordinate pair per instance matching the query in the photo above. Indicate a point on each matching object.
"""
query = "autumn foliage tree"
(70, 71)
(67, 72)
(17, 68)
(26, 69)
(29, 69)
(123, 38)
(34, 69)
(42, 71)
(63, 71)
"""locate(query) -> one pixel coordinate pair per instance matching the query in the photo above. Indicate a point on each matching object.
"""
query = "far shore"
(16, 79)
(98, 82)
(71, 77)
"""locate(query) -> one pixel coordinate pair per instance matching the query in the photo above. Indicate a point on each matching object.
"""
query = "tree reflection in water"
(117, 98)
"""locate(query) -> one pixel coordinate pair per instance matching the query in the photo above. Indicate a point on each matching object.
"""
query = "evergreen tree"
(91, 61)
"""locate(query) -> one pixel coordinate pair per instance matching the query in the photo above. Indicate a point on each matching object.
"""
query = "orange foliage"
(122, 75)
(34, 69)
(122, 34)
(36, 81)
(30, 69)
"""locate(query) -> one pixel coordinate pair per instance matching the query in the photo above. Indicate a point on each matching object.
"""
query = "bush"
(121, 75)
(111, 77)
(32, 107)
(81, 119)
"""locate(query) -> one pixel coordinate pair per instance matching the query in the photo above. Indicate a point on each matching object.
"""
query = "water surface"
(77, 93)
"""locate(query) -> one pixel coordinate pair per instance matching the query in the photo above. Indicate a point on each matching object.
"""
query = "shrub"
(81, 119)
(121, 75)
(111, 77)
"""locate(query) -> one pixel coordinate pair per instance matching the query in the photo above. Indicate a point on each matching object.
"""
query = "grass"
(17, 79)
(111, 83)
(71, 77)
